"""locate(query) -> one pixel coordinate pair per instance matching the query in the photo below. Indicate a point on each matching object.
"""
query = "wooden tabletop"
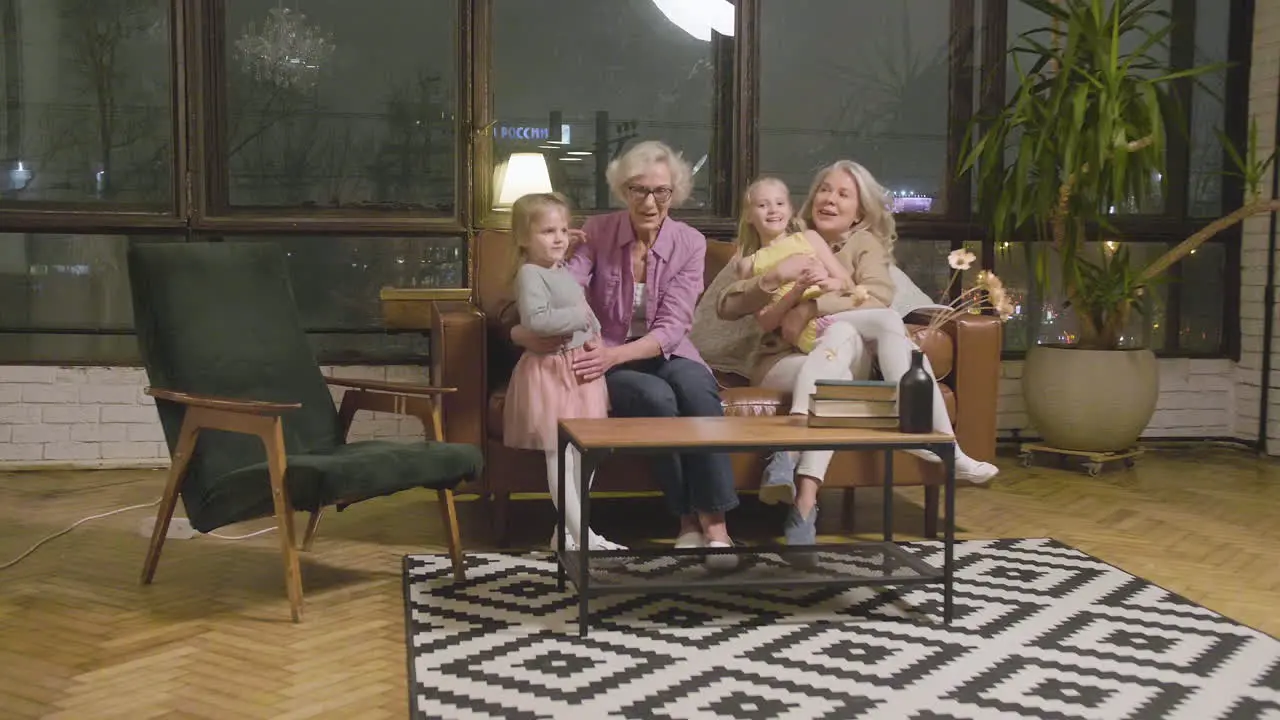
(790, 431)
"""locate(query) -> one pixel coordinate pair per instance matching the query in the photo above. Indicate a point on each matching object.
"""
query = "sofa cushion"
(728, 346)
(350, 472)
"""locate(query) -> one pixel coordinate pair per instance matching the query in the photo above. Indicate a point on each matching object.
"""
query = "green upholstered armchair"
(248, 416)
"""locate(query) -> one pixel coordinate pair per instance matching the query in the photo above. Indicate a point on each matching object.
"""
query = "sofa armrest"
(979, 341)
(458, 360)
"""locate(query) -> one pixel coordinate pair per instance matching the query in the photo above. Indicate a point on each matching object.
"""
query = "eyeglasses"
(639, 193)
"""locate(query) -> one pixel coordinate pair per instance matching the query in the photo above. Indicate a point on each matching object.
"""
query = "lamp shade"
(700, 17)
(523, 173)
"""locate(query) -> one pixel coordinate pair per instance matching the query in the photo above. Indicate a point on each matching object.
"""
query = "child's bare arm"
(742, 266)
(770, 317)
(828, 259)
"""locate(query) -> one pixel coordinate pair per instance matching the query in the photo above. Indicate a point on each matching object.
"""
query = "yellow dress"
(768, 257)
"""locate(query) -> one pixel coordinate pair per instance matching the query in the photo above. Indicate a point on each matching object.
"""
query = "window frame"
(198, 101)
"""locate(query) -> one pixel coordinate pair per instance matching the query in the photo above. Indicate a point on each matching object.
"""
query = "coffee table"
(654, 570)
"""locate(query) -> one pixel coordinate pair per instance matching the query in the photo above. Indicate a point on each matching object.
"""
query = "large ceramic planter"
(1090, 400)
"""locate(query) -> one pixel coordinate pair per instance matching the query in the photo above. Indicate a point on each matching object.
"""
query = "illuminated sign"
(526, 132)
(521, 132)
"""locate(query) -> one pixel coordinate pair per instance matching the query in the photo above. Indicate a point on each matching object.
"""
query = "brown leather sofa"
(471, 350)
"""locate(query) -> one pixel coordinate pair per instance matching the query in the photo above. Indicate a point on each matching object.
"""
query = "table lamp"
(521, 174)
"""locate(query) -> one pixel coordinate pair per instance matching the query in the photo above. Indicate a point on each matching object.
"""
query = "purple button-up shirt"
(603, 265)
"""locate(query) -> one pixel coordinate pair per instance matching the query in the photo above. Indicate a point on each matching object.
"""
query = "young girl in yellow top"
(768, 233)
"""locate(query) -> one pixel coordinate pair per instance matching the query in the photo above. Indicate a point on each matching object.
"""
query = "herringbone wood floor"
(79, 638)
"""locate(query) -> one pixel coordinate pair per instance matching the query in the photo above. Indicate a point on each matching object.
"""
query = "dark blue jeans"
(677, 387)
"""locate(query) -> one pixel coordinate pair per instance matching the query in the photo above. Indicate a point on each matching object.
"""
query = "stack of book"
(854, 404)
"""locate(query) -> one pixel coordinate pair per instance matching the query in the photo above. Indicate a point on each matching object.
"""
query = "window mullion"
(1182, 50)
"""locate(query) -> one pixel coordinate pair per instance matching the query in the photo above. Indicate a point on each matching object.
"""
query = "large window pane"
(1213, 18)
(66, 298)
(1201, 290)
(608, 73)
(336, 280)
(87, 111)
(858, 79)
(1186, 314)
(925, 262)
(337, 104)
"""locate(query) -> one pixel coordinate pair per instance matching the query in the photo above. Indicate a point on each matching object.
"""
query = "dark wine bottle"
(915, 397)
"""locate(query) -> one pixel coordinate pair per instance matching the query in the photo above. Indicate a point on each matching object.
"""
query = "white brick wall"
(1197, 398)
(99, 416)
(104, 419)
(1263, 75)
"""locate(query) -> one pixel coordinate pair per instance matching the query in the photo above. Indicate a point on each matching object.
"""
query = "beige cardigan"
(868, 262)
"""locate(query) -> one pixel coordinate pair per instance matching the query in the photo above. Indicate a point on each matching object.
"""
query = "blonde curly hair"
(873, 201)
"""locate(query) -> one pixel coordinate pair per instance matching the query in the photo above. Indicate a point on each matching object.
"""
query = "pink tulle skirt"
(543, 391)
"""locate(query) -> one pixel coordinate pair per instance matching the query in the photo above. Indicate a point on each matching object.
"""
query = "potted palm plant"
(1085, 127)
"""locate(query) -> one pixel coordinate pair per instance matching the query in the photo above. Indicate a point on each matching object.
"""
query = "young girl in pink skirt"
(543, 387)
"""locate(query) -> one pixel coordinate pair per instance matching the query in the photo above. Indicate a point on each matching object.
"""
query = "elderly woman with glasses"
(642, 271)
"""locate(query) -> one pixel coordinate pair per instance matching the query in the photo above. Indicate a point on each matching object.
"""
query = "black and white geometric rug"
(1041, 630)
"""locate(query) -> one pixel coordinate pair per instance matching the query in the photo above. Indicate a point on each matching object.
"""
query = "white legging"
(841, 354)
(572, 497)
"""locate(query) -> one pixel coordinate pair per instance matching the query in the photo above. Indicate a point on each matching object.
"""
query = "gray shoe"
(801, 531)
(778, 484)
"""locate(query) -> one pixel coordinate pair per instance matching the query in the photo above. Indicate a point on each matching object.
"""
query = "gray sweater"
(551, 302)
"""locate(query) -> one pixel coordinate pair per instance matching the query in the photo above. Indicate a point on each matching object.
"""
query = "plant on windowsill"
(1087, 125)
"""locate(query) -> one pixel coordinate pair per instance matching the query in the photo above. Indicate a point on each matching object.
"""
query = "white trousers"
(843, 352)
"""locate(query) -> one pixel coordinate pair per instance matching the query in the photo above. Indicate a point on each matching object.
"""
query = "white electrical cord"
(81, 521)
(263, 531)
(73, 526)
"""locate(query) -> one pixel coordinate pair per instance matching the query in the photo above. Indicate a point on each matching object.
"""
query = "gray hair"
(639, 159)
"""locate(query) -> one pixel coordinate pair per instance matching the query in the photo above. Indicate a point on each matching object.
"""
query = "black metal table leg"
(587, 467)
(948, 454)
(888, 496)
(562, 554)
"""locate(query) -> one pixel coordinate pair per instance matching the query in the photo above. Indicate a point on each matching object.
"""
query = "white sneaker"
(976, 471)
(599, 542)
(594, 542)
(967, 469)
(691, 539)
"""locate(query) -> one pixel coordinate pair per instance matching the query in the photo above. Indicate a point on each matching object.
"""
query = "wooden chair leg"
(177, 471)
(932, 493)
(313, 524)
(501, 514)
(449, 515)
(849, 509)
(278, 464)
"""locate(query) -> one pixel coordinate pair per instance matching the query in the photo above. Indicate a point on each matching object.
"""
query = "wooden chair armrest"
(425, 407)
(389, 387)
(244, 407)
